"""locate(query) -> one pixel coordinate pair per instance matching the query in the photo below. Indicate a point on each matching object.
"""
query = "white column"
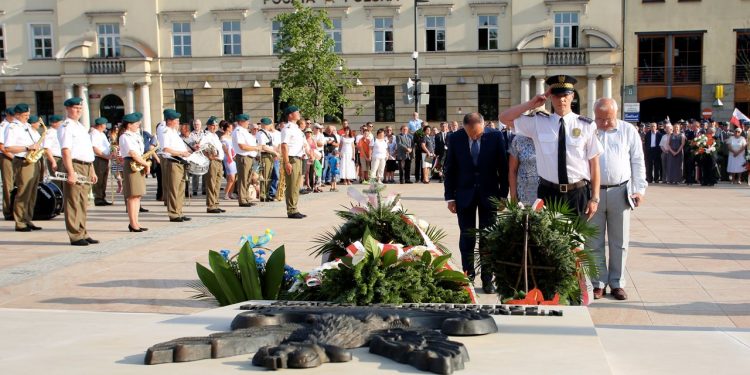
(86, 114)
(69, 91)
(129, 98)
(146, 106)
(607, 87)
(591, 97)
(539, 86)
(524, 89)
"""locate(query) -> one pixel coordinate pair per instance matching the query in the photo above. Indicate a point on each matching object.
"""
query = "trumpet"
(62, 176)
(33, 156)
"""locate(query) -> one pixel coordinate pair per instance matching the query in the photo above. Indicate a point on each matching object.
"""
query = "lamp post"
(415, 56)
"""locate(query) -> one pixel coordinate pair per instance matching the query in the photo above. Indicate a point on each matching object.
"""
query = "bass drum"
(49, 201)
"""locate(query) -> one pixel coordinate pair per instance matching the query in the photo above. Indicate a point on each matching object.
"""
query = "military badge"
(576, 132)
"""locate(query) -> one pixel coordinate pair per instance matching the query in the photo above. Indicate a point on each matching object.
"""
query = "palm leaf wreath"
(555, 258)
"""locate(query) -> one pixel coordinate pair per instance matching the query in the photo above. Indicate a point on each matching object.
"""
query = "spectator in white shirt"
(102, 151)
(378, 155)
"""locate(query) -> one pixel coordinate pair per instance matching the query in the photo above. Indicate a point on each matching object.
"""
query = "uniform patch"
(576, 132)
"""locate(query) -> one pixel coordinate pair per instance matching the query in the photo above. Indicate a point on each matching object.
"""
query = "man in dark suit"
(653, 154)
(476, 169)
(441, 146)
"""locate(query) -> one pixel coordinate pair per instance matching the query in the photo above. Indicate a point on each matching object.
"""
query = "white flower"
(358, 257)
(422, 224)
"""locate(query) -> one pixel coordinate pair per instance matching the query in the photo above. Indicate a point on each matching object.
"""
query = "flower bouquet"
(702, 145)
(372, 272)
(246, 275)
(541, 248)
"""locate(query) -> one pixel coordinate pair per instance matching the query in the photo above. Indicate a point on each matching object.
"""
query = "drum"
(198, 164)
(49, 201)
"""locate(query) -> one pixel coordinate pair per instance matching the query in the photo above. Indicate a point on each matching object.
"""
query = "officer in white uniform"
(212, 179)
(174, 150)
(52, 146)
(292, 150)
(78, 158)
(567, 150)
(20, 138)
(246, 149)
(102, 152)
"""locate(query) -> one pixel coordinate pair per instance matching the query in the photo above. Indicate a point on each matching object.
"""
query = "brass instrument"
(33, 156)
(137, 167)
(62, 176)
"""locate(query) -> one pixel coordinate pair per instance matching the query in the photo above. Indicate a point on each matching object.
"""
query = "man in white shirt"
(246, 149)
(20, 139)
(102, 152)
(623, 180)
(267, 157)
(194, 140)
(78, 158)
(174, 151)
(292, 150)
(53, 152)
(567, 150)
(6, 165)
(212, 179)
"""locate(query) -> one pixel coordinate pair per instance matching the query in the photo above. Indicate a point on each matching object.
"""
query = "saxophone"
(33, 156)
(136, 167)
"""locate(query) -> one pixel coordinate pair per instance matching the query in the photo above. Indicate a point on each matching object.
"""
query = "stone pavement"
(689, 263)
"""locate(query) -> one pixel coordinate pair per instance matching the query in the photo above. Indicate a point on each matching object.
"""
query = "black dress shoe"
(488, 288)
(222, 210)
(409, 182)
(214, 211)
(247, 204)
(185, 218)
(33, 227)
(102, 203)
(79, 243)
(176, 220)
(91, 240)
(131, 229)
(295, 215)
(25, 229)
(142, 209)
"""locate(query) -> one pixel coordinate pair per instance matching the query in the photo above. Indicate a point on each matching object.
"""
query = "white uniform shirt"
(213, 139)
(172, 140)
(580, 138)
(74, 136)
(130, 141)
(241, 136)
(20, 134)
(100, 141)
(3, 127)
(262, 139)
(622, 157)
(294, 139)
(52, 142)
(160, 128)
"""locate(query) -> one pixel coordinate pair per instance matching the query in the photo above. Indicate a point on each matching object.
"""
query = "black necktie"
(562, 169)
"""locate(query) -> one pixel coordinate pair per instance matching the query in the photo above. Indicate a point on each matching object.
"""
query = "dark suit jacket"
(647, 140)
(465, 182)
(440, 144)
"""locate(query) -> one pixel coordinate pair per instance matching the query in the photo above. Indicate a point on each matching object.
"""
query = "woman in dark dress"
(709, 168)
(675, 145)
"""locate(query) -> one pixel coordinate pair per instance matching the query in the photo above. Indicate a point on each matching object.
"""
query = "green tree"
(311, 75)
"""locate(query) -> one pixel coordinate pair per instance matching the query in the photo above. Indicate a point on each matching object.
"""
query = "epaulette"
(585, 119)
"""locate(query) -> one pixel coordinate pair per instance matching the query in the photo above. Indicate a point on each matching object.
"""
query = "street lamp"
(415, 56)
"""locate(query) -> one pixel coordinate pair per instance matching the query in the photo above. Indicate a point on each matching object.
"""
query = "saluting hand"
(539, 100)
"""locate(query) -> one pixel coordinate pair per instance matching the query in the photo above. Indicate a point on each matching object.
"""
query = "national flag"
(738, 117)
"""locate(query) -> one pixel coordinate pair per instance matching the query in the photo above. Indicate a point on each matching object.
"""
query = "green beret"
(266, 121)
(21, 108)
(10, 111)
(132, 117)
(73, 101)
(243, 117)
(33, 119)
(290, 109)
(55, 118)
(100, 121)
(171, 114)
(211, 120)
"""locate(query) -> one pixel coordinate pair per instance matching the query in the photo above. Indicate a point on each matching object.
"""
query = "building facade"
(681, 56)
(217, 57)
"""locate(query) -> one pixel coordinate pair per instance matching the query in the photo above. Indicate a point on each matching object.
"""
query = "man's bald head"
(605, 111)
(474, 125)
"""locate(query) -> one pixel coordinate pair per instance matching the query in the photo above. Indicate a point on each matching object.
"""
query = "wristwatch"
(595, 200)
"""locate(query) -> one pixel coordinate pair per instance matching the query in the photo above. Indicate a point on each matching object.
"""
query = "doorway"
(112, 108)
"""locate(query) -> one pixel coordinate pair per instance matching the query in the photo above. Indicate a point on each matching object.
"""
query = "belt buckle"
(563, 188)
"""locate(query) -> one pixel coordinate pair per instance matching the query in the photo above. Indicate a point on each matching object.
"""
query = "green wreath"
(552, 264)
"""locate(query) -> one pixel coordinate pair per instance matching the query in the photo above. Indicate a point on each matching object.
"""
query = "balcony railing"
(566, 57)
(106, 66)
(742, 73)
(678, 75)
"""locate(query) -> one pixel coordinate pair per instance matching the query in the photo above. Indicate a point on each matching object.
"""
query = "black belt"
(295, 157)
(82, 162)
(605, 187)
(563, 188)
(102, 158)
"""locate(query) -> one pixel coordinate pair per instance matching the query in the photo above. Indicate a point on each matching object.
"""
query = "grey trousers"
(613, 219)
